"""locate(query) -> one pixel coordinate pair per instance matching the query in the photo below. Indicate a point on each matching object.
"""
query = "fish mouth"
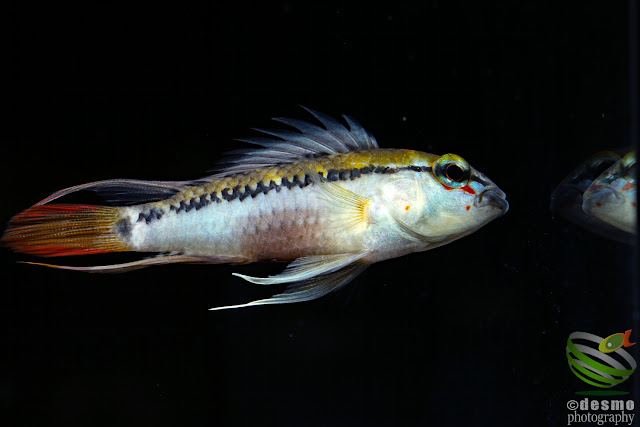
(493, 197)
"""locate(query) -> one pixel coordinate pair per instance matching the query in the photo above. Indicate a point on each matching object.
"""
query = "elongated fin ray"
(147, 262)
(270, 153)
(364, 139)
(309, 289)
(288, 146)
(125, 191)
(338, 131)
(305, 268)
(322, 136)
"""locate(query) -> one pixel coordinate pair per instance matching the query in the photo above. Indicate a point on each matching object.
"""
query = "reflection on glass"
(600, 195)
(612, 196)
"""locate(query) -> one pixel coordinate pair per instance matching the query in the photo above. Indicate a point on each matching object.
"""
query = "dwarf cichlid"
(600, 195)
(612, 196)
(326, 199)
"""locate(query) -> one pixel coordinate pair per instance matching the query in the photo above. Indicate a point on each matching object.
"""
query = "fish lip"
(494, 197)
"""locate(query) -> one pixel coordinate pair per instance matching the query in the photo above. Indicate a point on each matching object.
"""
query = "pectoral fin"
(309, 278)
(347, 207)
(350, 208)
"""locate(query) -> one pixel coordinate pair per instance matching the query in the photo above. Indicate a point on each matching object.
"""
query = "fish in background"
(573, 198)
(612, 196)
(325, 198)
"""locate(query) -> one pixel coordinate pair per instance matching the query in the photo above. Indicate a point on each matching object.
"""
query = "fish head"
(566, 199)
(612, 196)
(451, 200)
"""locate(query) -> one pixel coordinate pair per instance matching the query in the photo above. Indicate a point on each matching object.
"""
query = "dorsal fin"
(288, 146)
(125, 191)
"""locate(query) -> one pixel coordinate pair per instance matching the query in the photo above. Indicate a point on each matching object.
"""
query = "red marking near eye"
(633, 204)
(407, 208)
(629, 186)
(468, 189)
(599, 204)
(468, 207)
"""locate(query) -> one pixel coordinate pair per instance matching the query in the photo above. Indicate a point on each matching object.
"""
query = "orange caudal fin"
(65, 229)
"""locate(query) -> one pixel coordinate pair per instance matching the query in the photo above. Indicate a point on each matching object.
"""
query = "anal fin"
(147, 262)
(305, 268)
(309, 278)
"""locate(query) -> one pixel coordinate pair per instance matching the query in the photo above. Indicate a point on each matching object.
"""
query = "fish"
(568, 198)
(323, 197)
(612, 196)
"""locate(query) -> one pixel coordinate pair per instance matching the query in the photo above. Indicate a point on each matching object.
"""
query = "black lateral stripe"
(476, 179)
(232, 193)
(202, 203)
(150, 216)
(298, 182)
(195, 203)
(333, 175)
(242, 193)
(253, 193)
(381, 169)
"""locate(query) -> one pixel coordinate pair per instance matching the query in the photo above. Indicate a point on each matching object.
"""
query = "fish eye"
(452, 171)
(628, 167)
(631, 173)
(600, 162)
(600, 167)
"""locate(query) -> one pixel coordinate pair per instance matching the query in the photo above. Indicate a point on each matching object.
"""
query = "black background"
(472, 333)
